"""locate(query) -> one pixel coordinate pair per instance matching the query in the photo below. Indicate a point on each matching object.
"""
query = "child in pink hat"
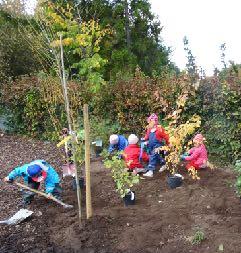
(197, 156)
(156, 137)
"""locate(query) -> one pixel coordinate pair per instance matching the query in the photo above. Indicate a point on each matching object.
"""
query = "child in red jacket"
(156, 137)
(133, 155)
(197, 156)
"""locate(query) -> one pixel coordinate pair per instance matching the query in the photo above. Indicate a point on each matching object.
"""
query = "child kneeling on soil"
(117, 143)
(155, 137)
(197, 156)
(133, 155)
(33, 174)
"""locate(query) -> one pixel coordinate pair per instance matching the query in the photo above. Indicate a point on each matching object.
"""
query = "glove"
(183, 157)
(8, 180)
(157, 150)
(145, 143)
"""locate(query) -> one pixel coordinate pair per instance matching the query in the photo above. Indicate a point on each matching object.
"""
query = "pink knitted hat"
(199, 138)
(153, 117)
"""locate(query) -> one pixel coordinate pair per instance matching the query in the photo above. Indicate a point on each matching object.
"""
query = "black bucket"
(98, 151)
(174, 181)
(129, 199)
(81, 183)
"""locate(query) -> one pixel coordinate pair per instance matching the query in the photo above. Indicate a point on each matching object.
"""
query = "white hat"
(114, 139)
(133, 139)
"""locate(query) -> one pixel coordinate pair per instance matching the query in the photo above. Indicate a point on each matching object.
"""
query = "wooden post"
(66, 101)
(87, 162)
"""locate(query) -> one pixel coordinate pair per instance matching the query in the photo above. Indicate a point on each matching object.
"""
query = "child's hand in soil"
(183, 157)
(49, 196)
(7, 180)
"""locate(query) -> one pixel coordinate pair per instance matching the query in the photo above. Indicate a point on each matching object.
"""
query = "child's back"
(133, 154)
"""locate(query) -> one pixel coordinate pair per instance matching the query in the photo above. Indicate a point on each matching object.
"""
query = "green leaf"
(238, 183)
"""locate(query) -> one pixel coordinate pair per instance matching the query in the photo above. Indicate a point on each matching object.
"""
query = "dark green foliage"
(218, 102)
(16, 55)
(238, 182)
(191, 61)
(136, 35)
(125, 98)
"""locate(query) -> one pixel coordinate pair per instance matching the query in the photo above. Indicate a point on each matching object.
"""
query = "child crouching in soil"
(134, 155)
(117, 143)
(197, 156)
(35, 173)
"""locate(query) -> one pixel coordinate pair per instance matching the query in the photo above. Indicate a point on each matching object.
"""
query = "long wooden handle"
(44, 195)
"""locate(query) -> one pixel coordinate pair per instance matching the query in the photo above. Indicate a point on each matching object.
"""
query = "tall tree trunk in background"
(127, 25)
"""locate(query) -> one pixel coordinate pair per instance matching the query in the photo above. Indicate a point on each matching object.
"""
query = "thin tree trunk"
(66, 100)
(127, 25)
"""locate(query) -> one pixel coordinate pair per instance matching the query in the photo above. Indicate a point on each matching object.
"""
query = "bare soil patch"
(161, 221)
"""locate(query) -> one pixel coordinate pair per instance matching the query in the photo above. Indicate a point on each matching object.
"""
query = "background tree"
(14, 7)
(136, 38)
(223, 55)
(16, 55)
(191, 61)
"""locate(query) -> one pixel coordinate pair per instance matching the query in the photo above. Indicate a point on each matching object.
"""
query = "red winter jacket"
(131, 156)
(160, 134)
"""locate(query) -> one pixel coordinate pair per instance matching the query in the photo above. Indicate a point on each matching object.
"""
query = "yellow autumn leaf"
(66, 139)
(67, 41)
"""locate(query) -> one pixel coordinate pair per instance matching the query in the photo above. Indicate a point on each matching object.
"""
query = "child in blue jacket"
(33, 174)
(117, 143)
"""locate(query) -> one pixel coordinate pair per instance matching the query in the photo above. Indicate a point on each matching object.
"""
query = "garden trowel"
(18, 217)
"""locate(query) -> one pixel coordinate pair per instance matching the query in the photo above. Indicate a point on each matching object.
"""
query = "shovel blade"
(18, 217)
(68, 170)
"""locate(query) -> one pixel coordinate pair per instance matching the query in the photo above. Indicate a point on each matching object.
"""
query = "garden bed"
(162, 220)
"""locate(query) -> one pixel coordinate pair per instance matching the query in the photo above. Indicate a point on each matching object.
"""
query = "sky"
(30, 4)
(206, 23)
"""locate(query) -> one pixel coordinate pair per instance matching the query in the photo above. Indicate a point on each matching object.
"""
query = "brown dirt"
(162, 221)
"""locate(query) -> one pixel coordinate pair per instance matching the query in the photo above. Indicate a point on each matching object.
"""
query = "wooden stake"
(66, 100)
(87, 162)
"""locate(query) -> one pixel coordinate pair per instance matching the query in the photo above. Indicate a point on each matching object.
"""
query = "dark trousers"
(155, 159)
(28, 195)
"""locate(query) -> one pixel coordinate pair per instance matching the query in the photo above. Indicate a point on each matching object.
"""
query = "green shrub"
(123, 179)
(101, 129)
(135, 99)
(217, 100)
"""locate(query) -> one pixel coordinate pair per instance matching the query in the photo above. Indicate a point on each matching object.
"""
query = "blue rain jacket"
(120, 146)
(50, 181)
